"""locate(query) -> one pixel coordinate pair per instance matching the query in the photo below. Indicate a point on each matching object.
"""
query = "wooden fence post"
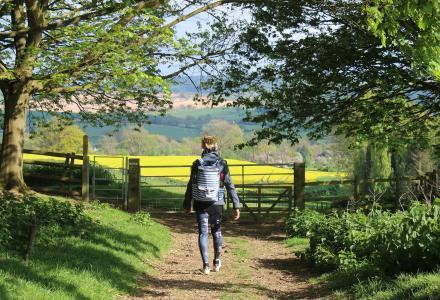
(85, 171)
(356, 195)
(299, 184)
(85, 186)
(134, 185)
(398, 192)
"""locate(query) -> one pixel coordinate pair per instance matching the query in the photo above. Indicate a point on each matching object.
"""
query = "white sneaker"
(217, 265)
(206, 270)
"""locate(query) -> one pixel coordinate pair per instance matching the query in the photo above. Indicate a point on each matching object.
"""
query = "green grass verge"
(405, 286)
(241, 250)
(104, 265)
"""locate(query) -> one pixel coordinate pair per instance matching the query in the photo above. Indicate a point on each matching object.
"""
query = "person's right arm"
(188, 193)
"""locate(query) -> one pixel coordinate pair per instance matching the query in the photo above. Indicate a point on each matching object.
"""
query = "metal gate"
(110, 179)
(262, 188)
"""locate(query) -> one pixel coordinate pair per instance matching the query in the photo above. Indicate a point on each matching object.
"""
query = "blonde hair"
(209, 142)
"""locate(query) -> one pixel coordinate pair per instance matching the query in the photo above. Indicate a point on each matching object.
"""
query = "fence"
(61, 174)
(262, 188)
(162, 188)
(109, 180)
(424, 187)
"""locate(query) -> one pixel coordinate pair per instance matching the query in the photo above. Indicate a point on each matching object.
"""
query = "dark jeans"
(212, 215)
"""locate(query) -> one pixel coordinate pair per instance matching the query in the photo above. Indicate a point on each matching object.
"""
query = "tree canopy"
(103, 59)
(413, 26)
(95, 56)
(319, 66)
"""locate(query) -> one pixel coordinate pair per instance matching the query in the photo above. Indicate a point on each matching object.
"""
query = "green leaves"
(391, 242)
(329, 74)
(413, 26)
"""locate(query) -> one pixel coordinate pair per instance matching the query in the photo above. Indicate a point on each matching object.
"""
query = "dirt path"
(256, 265)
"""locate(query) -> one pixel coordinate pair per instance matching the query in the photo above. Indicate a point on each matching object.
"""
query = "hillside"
(181, 123)
(100, 255)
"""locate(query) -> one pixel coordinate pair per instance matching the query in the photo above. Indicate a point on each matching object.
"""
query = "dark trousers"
(210, 216)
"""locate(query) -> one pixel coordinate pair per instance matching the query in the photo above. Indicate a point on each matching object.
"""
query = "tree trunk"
(11, 163)
(396, 174)
(367, 171)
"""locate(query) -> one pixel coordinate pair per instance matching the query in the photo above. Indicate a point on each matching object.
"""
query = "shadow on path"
(269, 259)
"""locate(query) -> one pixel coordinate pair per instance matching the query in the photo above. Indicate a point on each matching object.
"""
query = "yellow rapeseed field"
(178, 167)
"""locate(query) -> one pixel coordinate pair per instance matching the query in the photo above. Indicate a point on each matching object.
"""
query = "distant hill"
(180, 123)
(185, 120)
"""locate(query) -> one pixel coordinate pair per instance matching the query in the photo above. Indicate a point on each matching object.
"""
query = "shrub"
(299, 222)
(391, 242)
(142, 218)
(50, 218)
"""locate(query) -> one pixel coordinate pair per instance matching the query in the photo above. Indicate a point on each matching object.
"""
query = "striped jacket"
(225, 182)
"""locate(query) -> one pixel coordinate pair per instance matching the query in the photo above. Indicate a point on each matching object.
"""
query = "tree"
(228, 135)
(315, 66)
(109, 145)
(372, 161)
(411, 25)
(98, 57)
(56, 136)
(134, 142)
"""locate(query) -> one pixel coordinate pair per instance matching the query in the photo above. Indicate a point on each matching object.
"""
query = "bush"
(299, 222)
(51, 218)
(142, 218)
(390, 242)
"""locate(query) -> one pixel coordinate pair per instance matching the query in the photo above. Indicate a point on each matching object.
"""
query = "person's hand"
(236, 214)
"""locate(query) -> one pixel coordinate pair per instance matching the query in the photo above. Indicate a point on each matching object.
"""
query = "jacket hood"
(210, 156)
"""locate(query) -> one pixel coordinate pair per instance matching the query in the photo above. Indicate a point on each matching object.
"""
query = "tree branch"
(199, 61)
(63, 22)
(202, 9)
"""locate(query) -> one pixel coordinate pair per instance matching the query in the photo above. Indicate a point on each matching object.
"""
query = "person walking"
(206, 189)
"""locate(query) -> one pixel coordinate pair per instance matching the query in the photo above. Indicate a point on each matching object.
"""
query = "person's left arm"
(230, 188)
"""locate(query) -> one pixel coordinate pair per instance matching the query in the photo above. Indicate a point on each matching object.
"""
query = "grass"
(104, 265)
(297, 244)
(366, 285)
(241, 251)
(347, 285)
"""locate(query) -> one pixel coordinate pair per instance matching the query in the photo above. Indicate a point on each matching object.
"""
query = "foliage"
(314, 66)
(228, 135)
(57, 136)
(54, 218)
(117, 47)
(299, 222)
(142, 218)
(413, 26)
(392, 243)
